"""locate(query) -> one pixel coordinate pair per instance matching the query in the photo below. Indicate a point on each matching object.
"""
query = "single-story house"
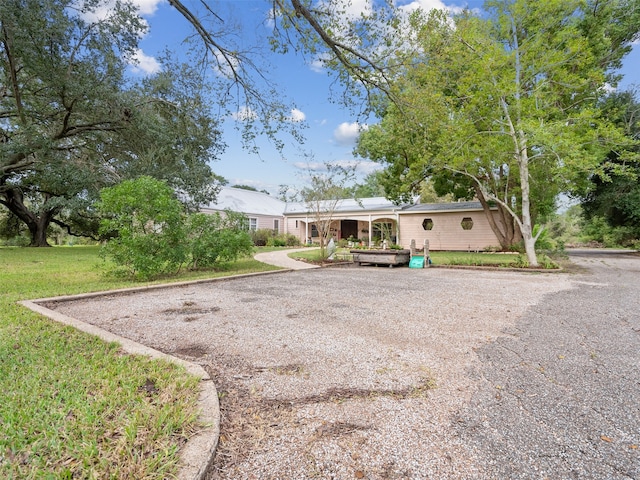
(447, 226)
(262, 210)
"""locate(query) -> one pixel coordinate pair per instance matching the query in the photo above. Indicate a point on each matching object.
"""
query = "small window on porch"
(427, 224)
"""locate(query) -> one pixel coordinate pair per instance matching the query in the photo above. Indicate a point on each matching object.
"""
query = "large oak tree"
(71, 123)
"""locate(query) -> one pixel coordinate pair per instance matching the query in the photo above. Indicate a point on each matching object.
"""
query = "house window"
(467, 223)
(296, 223)
(253, 224)
(427, 224)
(276, 225)
(383, 231)
(314, 230)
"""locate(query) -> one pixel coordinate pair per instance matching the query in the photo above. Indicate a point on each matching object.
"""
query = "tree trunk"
(14, 201)
(39, 232)
(508, 233)
(527, 227)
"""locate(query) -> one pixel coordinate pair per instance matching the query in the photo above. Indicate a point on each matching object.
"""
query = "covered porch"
(370, 230)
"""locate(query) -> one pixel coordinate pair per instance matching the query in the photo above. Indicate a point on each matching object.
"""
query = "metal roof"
(258, 203)
(348, 205)
(247, 201)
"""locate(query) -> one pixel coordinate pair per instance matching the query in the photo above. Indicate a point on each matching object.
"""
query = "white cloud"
(106, 8)
(317, 65)
(310, 166)
(347, 133)
(140, 62)
(608, 88)
(363, 167)
(143, 63)
(147, 7)
(360, 166)
(297, 116)
(225, 65)
(428, 5)
(355, 8)
(244, 114)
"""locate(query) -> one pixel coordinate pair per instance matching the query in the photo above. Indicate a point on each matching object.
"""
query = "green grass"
(72, 406)
(312, 254)
(476, 259)
(439, 258)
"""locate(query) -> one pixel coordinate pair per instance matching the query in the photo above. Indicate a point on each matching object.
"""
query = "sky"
(330, 130)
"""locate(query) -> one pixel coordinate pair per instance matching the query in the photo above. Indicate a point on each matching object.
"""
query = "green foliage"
(547, 262)
(614, 194)
(370, 187)
(265, 237)
(261, 237)
(64, 395)
(73, 123)
(152, 235)
(277, 241)
(525, 78)
(597, 230)
(543, 242)
(147, 220)
(521, 262)
(217, 238)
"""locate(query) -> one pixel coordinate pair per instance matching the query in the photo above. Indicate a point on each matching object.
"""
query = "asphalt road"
(560, 396)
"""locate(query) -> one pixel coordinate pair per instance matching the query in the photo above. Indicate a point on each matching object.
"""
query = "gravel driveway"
(385, 373)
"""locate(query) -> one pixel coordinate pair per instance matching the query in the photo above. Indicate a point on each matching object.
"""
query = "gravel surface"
(383, 373)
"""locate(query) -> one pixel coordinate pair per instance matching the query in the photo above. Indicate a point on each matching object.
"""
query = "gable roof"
(348, 205)
(248, 202)
(258, 203)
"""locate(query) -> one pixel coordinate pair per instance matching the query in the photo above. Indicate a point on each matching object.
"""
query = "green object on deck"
(416, 262)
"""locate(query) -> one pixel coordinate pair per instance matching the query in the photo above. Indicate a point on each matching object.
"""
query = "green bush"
(261, 237)
(596, 229)
(277, 241)
(216, 238)
(265, 237)
(147, 222)
(153, 236)
(292, 240)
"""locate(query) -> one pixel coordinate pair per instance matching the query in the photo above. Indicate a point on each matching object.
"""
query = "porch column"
(370, 231)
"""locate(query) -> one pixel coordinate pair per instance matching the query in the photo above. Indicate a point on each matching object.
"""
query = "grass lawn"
(439, 258)
(72, 406)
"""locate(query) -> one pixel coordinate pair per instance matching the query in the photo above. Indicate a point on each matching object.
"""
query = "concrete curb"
(197, 455)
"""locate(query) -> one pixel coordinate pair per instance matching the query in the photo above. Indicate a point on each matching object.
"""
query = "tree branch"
(67, 227)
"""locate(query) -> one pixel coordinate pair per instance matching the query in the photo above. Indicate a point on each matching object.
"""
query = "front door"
(349, 228)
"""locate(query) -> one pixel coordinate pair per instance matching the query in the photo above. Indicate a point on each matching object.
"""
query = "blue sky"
(330, 130)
